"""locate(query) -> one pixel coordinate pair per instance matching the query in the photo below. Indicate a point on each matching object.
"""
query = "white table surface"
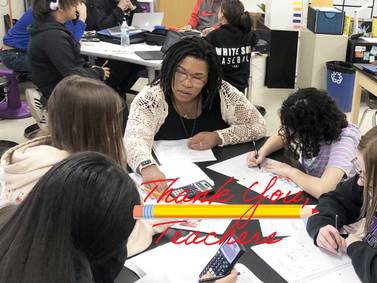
(126, 54)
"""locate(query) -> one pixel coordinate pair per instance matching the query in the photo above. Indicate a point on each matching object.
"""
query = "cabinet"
(315, 51)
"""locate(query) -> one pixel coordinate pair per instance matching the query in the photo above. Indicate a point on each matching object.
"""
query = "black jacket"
(104, 14)
(54, 54)
(346, 202)
(233, 46)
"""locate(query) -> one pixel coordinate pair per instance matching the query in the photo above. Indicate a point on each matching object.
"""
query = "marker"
(256, 153)
(230, 211)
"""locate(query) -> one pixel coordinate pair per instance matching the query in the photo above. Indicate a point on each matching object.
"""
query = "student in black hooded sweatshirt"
(354, 204)
(53, 52)
(234, 41)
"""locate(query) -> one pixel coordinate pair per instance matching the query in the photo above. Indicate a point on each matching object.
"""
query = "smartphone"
(193, 189)
(223, 261)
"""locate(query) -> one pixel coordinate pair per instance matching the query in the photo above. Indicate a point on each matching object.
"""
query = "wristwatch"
(144, 164)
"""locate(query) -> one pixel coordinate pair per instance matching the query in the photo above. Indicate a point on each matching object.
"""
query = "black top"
(210, 120)
(346, 202)
(104, 14)
(233, 46)
(54, 54)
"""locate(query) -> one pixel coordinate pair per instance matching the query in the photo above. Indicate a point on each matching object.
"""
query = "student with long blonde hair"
(353, 204)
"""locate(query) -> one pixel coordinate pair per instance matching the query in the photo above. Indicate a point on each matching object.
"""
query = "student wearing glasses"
(189, 101)
(315, 131)
(353, 206)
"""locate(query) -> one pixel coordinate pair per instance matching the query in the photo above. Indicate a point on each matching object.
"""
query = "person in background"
(315, 130)
(234, 42)
(189, 101)
(353, 206)
(73, 226)
(53, 52)
(204, 16)
(15, 42)
(104, 14)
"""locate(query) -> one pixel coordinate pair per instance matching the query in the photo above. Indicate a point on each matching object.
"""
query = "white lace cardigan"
(149, 110)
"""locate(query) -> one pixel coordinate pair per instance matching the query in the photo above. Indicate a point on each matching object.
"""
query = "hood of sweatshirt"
(23, 165)
(45, 24)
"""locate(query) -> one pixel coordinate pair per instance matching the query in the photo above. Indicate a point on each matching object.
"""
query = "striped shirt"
(338, 154)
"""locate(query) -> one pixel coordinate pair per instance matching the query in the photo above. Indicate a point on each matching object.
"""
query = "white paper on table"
(207, 226)
(237, 167)
(297, 259)
(370, 39)
(180, 263)
(177, 150)
(282, 227)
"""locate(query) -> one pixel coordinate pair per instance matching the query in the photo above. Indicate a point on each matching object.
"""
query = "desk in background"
(125, 54)
(364, 80)
(249, 259)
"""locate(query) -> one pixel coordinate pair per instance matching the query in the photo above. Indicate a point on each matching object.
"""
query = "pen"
(336, 226)
(209, 279)
(104, 64)
(256, 152)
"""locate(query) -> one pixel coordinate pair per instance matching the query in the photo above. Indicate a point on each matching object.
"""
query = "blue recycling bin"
(340, 83)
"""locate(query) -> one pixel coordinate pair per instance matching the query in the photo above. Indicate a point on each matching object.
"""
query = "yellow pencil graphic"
(234, 211)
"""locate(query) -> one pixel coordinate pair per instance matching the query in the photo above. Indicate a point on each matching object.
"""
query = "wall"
(177, 12)
(17, 9)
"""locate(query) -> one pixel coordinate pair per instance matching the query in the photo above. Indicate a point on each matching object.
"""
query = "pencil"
(256, 153)
(104, 64)
(232, 211)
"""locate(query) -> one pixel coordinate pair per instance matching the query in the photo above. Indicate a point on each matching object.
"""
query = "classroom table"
(249, 259)
(126, 54)
(365, 80)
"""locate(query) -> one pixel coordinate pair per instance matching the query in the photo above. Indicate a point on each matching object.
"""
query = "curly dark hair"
(199, 48)
(308, 118)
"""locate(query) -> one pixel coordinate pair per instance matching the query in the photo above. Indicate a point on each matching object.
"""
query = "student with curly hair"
(317, 132)
(354, 203)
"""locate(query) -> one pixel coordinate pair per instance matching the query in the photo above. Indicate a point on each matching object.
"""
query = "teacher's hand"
(204, 141)
(153, 173)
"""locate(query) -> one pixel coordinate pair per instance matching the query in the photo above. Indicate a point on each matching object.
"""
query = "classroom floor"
(271, 99)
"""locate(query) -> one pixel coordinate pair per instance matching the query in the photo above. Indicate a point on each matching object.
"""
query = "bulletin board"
(345, 5)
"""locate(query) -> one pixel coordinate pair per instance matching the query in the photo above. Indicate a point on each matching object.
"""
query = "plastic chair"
(11, 107)
(371, 101)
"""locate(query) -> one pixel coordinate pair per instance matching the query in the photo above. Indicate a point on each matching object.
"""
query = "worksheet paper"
(237, 167)
(297, 259)
(177, 151)
(180, 263)
(282, 227)
(187, 173)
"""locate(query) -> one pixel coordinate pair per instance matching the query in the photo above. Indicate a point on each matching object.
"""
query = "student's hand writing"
(206, 31)
(81, 8)
(329, 239)
(252, 161)
(204, 140)
(279, 168)
(106, 72)
(352, 238)
(153, 173)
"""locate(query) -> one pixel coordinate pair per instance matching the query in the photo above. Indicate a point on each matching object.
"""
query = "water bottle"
(124, 34)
